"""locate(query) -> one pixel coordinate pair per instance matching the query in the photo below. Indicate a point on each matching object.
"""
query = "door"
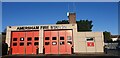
(58, 42)
(35, 41)
(47, 48)
(32, 46)
(25, 42)
(14, 42)
(54, 41)
(22, 43)
(29, 41)
(69, 41)
(62, 42)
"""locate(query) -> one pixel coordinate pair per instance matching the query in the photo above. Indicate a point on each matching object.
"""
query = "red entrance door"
(62, 42)
(21, 43)
(47, 40)
(35, 41)
(29, 41)
(25, 42)
(58, 42)
(54, 42)
(14, 42)
(69, 41)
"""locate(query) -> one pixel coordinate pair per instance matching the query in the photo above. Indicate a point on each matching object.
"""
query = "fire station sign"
(40, 27)
(32, 27)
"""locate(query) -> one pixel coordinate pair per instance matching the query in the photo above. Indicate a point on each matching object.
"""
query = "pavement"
(63, 56)
(110, 54)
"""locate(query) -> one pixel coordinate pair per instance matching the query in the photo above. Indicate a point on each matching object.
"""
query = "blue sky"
(103, 14)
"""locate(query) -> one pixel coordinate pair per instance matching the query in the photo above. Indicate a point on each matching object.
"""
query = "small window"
(36, 38)
(29, 39)
(90, 39)
(29, 43)
(61, 38)
(14, 44)
(21, 39)
(69, 38)
(69, 42)
(54, 43)
(53, 38)
(36, 43)
(62, 43)
(21, 44)
(14, 39)
(46, 43)
(46, 38)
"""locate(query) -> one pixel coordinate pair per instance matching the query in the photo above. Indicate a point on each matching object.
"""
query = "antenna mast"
(74, 7)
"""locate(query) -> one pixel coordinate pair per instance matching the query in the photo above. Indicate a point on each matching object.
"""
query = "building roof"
(115, 36)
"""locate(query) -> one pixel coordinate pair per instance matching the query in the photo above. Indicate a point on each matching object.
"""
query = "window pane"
(54, 43)
(14, 39)
(90, 39)
(53, 38)
(21, 39)
(36, 38)
(14, 44)
(36, 43)
(46, 43)
(69, 42)
(29, 43)
(69, 38)
(62, 43)
(22, 44)
(61, 38)
(29, 38)
(46, 38)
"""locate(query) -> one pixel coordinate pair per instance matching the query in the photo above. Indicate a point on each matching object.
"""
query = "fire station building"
(53, 39)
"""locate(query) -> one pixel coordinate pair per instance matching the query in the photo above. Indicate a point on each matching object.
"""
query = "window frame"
(35, 43)
(47, 38)
(21, 42)
(15, 44)
(54, 42)
(35, 38)
(21, 37)
(62, 38)
(89, 39)
(30, 38)
(47, 43)
(54, 38)
(29, 43)
(14, 39)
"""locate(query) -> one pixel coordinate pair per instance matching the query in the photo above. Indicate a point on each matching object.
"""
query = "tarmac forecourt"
(63, 56)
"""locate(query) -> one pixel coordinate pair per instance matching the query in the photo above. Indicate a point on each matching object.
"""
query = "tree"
(82, 25)
(107, 36)
(62, 22)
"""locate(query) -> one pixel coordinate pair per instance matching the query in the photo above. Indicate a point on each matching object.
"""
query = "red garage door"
(62, 42)
(25, 42)
(54, 42)
(47, 42)
(58, 41)
(15, 41)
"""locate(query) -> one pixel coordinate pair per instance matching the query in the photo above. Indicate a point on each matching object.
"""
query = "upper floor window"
(90, 38)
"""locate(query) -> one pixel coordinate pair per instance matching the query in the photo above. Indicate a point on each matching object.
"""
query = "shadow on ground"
(63, 56)
(110, 54)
